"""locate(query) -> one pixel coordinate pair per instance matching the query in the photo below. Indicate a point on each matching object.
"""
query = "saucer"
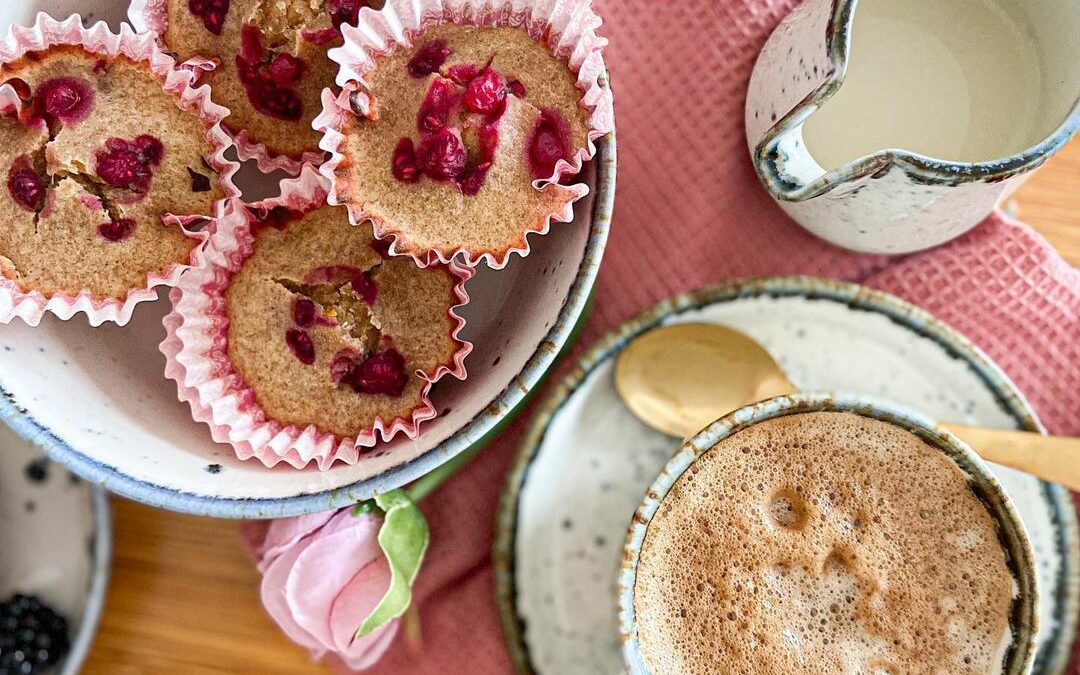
(55, 540)
(586, 461)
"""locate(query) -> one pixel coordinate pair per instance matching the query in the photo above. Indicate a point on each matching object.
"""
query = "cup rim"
(923, 168)
(1019, 553)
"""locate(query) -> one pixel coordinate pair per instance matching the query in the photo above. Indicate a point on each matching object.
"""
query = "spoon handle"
(1052, 458)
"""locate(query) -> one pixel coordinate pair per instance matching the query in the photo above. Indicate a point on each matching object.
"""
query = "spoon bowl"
(678, 378)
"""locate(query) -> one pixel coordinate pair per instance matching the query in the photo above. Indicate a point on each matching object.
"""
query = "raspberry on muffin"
(303, 340)
(102, 163)
(327, 331)
(459, 124)
(271, 65)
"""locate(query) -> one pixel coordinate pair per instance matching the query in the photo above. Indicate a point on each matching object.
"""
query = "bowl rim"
(990, 491)
(858, 297)
(542, 359)
(101, 561)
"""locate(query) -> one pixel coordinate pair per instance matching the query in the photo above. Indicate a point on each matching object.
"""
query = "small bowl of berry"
(55, 549)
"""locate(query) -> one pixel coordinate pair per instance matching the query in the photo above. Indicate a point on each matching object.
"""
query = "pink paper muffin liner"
(151, 16)
(197, 358)
(47, 32)
(566, 27)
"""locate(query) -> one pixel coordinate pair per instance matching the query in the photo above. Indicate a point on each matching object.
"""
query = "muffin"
(303, 340)
(271, 64)
(327, 331)
(458, 135)
(102, 165)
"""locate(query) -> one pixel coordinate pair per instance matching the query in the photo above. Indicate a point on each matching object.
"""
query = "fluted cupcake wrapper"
(197, 358)
(31, 306)
(152, 16)
(566, 27)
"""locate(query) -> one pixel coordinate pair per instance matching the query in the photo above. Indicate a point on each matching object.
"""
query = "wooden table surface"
(184, 598)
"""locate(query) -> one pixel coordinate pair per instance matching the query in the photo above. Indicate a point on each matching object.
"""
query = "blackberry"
(32, 636)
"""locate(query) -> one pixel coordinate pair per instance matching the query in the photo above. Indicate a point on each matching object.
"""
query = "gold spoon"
(678, 379)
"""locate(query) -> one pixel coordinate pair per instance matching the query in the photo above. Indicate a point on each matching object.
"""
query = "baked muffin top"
(327, 331)
(96, 156)
(460, 126)
(272, 63)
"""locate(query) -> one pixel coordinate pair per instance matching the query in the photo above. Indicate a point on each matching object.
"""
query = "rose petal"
(286, 532)
(351, 607)
(273, 589)
(253, 534)
(336, 554)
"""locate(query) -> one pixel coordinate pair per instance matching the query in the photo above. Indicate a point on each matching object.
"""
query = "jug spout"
(789, 170)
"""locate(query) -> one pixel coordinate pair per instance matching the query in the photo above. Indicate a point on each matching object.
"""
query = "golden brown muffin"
(272, 63)
(461, 125)
(96, 157)
(327, 331)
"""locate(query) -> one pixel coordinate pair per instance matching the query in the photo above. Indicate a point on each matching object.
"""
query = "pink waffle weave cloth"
(689, 211)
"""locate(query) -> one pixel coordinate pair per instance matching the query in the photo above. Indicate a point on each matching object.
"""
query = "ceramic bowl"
(55, 540)
(1019, 554)
(96, 399)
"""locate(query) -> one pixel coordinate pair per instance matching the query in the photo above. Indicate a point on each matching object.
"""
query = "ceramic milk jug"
(891, 126)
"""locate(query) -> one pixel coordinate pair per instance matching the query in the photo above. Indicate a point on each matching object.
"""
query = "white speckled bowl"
(96, 398)
(97, 401)
(55, 540)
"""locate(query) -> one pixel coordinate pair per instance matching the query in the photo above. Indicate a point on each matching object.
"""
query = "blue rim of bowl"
(101, 561)
(857, 297)
(921, 168)
(152, 494)
(1024, 619)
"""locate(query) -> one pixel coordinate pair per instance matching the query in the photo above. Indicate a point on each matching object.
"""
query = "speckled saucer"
(586, 460)
(55, 540)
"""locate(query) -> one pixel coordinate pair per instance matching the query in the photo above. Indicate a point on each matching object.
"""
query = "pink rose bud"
(323, 574)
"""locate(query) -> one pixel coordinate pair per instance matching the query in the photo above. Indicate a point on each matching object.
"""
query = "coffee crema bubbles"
(823, 543)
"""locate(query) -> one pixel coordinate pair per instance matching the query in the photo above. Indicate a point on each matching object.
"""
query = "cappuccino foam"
(823, 543)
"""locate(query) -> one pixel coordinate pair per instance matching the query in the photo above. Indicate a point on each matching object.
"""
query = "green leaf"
(365, 507)
(404, 538)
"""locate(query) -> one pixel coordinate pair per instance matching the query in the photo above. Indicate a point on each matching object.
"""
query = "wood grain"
(1050, 202)
(184, 598)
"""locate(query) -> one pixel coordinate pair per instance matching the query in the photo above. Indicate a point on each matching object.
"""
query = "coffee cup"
(827, 533)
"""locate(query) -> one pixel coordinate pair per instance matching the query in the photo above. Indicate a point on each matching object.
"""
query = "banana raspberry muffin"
(459, 127)
(271, 62)
(326, 331)
(101, 165)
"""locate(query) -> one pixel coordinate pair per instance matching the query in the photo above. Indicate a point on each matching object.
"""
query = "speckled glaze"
(586, 460)
(891, 201)
(55, 540)
(1020, 557)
